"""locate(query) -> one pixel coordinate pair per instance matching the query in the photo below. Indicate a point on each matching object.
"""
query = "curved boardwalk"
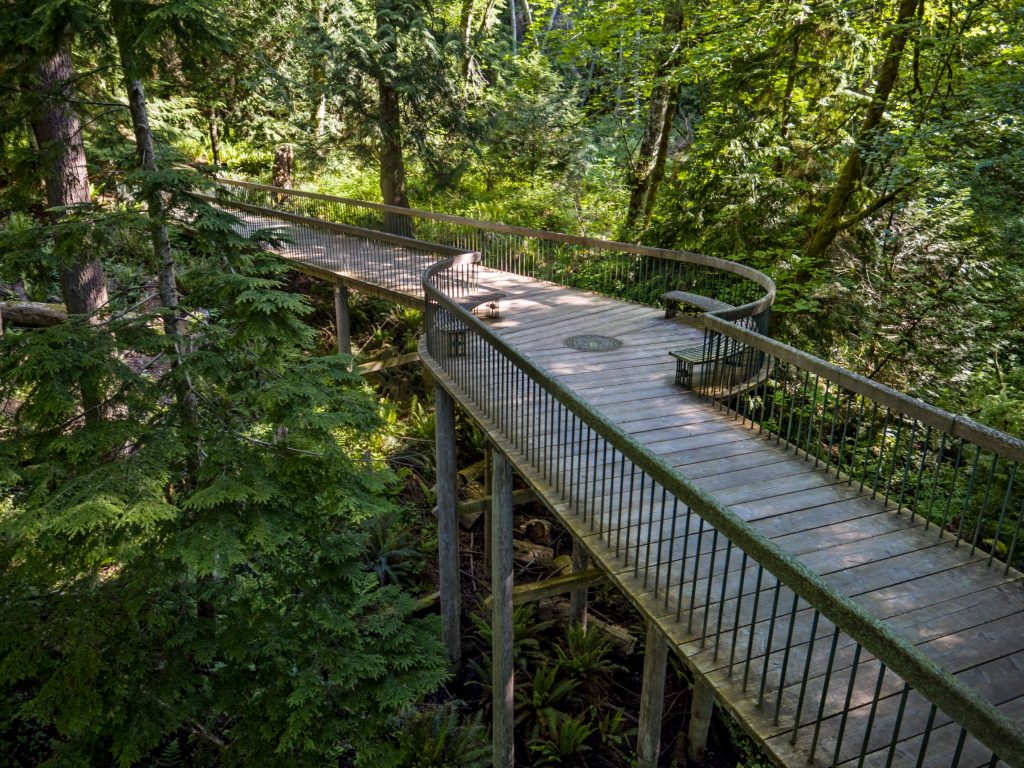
(941, 596)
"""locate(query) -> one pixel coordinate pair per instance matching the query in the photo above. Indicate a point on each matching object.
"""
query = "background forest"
(214, 535)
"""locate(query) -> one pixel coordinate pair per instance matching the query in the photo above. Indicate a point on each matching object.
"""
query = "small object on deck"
(673, 299)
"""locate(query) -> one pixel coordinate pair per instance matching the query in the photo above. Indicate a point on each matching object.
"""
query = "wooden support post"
(447, 522)
(488, 491)
(652, 698)
(578, 598)
(342, 322)
(701, 708)
(502, 680)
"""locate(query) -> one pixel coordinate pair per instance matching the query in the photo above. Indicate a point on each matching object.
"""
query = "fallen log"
(527, 553)
(390, 362)
(471, 510)
(32, 314)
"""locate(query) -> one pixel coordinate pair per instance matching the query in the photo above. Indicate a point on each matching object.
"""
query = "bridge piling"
(652, 698)
(502, 680)
(447, 523)
(578, 598)
(342, 321)
(702, 705)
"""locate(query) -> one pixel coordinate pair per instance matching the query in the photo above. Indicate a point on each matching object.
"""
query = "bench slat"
(673, 299)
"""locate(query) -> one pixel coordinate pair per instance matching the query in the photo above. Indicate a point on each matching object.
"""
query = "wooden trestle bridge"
(833, 561)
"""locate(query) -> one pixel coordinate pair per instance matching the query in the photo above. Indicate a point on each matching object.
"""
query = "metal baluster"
(629, 512)
(832, 431)
(643, 483)
(896, 727)
(871, 717)
(753, 625)
(1013, 542)
(800, 417)
(812, 420)
(927, 736)
(984, 503)
(824, 692)
(661, 523)
(812, 638)
(721, 597)
(707, 597)
(881, 452)
(639, 528)
(671, 550)
(696, 569)
(1002, 512)
(739, 608)
(906, 467)
(959, 748)
(768, 647)
(846, 705)
(949, 496)
(785, 656)
(682, 565)
(967, 496)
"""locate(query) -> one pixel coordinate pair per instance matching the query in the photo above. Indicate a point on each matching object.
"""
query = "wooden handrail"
(956, 425)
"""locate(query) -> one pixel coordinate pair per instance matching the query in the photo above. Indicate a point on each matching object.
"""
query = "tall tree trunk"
(392, 160)
(58, 133)
(830, 223)
(515, 26)
(466, 27)
(283, 172)
(661, 158)
(787, 96)
(156, 209)
(319, 74)
(214, 137)
(649, 168)
(154, 203)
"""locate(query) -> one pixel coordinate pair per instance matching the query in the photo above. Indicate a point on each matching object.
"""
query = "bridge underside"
(966, 616)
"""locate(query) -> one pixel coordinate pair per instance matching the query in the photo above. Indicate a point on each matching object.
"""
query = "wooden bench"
(690, 357)
(673, 299)
(453, 330)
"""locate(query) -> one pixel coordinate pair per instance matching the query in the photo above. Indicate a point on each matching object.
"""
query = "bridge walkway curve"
(799, 684)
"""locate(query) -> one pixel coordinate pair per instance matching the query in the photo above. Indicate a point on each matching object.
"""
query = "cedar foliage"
(176, 580)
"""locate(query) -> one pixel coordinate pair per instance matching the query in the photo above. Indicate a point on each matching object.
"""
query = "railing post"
(447, 522)
(502, 679)
(578, 599)
(652, 698)
(702, 705)
(342, 321)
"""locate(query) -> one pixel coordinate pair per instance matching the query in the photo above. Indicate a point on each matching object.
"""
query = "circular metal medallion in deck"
(590, 343)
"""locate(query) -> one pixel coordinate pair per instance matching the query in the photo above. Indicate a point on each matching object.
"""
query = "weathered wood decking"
(965, 616)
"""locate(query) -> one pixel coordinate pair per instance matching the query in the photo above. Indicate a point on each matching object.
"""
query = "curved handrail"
(1005, 445)
(976, 715)
(757, 307)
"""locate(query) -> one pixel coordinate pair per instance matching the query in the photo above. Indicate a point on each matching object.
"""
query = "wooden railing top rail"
(981, 718)
(715, 262)
(929, 415)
